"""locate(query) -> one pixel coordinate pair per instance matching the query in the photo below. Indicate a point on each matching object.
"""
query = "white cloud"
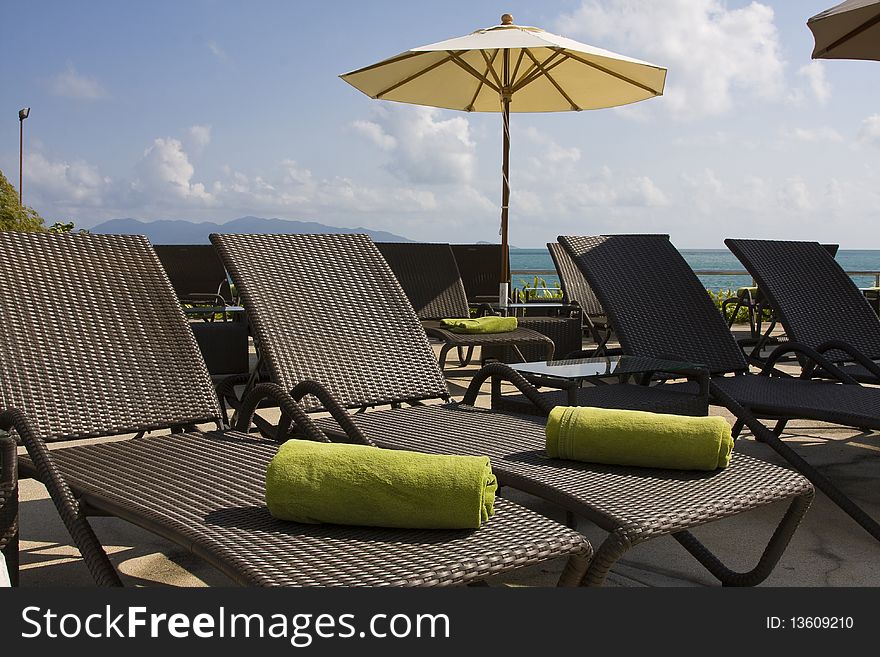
(71, 84)
(198, 137)
(424, 147)
(824, 133)
(374, 132)
(216, 50)
(165, 171)
(64, 185)
(794, 194)
(814, 74)
(869, 132)
(717, 57)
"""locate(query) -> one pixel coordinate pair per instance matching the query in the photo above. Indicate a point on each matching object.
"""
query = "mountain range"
(178, 231)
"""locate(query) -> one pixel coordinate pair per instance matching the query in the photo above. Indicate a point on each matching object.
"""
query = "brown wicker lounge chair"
(429, 277)
(479, 266)
(817, 303)
(623, 269)
(196, 273)
(576, 290)
(94, 343)
(372, 351)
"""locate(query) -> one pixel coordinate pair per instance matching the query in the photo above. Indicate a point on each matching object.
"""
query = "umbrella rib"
(399, 58)
(489, 63)
(489, 66)
(456, 58)
(518, 62)
(546, 73)
(412, 77)
(535, 71)
(614, 74)
(850, 35)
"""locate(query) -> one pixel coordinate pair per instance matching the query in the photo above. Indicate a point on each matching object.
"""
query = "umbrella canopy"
(850, 30)
(510, 68)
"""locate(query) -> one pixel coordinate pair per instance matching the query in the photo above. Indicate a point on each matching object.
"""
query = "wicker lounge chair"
(429, 277)
(196, 273)
(94, 343)
(575, 289)
(816, 302)
(480, 269)
(638, 309)
(373, 352)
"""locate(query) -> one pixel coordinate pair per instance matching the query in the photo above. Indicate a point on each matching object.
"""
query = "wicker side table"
(564, 331)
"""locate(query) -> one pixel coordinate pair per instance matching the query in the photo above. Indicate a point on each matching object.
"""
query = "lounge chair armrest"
(65, 501)
(818, 360)
(289, 409)
(332, 405)
(852, 352)
(505, 372)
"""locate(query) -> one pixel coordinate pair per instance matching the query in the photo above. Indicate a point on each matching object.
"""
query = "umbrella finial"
(506, 19)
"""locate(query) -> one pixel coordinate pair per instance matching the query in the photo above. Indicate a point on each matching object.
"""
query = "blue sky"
(215, 109)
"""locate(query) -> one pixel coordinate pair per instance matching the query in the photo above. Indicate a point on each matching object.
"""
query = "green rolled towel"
(653, 440)
(346, 484)
(745, 291)
(488, 324)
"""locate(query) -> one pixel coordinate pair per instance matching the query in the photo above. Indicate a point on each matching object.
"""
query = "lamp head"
(23, 113)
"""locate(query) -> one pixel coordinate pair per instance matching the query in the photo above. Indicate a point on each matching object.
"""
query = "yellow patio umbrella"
(510, 68)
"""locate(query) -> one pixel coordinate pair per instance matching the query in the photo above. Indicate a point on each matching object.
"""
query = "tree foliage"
(12, 215)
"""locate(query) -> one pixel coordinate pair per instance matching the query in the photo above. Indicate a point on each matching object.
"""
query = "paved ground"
(828, 549)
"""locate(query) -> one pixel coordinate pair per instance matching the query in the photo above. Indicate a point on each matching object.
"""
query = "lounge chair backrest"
(574, 286)
(429, 276)
(655, 302)
(97, 361)
(328, 308)
(480, 269)
(814, 298)
(194, 269)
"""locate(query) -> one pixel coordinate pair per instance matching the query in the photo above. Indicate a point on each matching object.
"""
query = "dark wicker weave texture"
(194, 270)
(575, 288)
(429, 277)
(646, 328)
(76, 325)
(633, 504)
(646, 279)
(815, 299)
(9, 505)
(205, 490)
(480, 269)
(365, 324)
(260, 264)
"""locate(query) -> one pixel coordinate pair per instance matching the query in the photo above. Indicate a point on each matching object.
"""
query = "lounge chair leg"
(770, 557)
(612, 548)
(737, 428)
(780, 427)
(441, 360)
(824, 484)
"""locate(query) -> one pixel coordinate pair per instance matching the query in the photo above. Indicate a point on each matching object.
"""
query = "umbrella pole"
(505, 169)
(505, 196)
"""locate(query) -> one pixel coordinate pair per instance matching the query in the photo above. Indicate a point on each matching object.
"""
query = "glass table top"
(579, 369)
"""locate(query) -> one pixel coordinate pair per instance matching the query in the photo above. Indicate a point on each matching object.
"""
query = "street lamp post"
(22, 115)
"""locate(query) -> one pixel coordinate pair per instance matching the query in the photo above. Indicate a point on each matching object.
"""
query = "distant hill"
(167, 231)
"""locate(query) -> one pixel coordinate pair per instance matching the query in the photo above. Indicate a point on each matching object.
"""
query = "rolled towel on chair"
(488, 324)
(640, 438)
(346, 484)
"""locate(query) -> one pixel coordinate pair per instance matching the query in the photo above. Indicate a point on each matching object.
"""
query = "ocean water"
(698, 259)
